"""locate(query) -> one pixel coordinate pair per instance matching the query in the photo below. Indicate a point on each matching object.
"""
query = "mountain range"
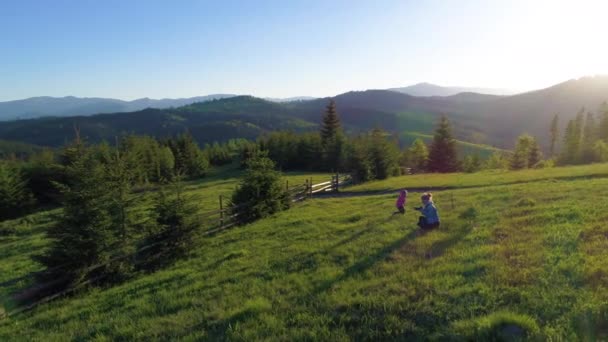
(478, 118)
(429, 89)
(36, 107)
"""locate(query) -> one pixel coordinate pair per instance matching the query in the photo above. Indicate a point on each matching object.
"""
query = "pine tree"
(600, 150)
(332, 138)
(527, 153)
(384, 155)
(443, 156)
(554, 134)
(120, 174)
(15, 197)
(85, 229)
(418, 156)
(189, 159)
(331, 123)
(577, 137)
(603, 124)
(535, 154)
(359, 160)
(589, 138)
(521, 153)
(174, 229)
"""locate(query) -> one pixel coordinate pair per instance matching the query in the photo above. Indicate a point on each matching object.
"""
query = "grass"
(485, 178)
(526, 262)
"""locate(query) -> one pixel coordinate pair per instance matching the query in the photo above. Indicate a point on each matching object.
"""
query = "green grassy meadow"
(519, 255)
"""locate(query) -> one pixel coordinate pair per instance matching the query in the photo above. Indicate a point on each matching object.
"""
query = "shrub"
(260, 192)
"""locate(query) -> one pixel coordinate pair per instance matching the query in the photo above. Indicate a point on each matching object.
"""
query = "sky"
(168, 49)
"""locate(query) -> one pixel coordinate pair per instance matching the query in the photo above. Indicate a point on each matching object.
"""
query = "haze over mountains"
(428, 89)
(478, 118)
(36, 107)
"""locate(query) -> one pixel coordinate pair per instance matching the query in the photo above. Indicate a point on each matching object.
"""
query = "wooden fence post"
(221, 211)
(310, 191)
(337, 182)
(287, 185)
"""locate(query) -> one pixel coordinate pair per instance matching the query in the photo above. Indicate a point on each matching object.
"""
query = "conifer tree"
(527, 153)
(603, 126)
(85, 230)
(600, 151)
(554, 134)
(418, 156)
(174, 227)
(443, 156)
(589, 138)
(568, 152)
(15, 197)
(189, 159)
(384, 155)
(260, 192)
(535, 155)
(332, 138)
(331, 123)
(359, 161)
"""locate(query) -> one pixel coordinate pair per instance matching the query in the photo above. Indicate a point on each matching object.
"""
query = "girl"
(430, 216)
(400, 204)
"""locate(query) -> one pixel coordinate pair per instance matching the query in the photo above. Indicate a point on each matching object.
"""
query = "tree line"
(585, 138)
(32, 181)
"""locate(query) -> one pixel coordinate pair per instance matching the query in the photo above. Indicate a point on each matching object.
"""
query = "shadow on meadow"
(366, 263)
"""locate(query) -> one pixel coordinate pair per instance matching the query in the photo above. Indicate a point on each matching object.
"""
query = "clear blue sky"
(129, 49)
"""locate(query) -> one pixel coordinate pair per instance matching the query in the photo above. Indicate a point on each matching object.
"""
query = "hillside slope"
(341, 269)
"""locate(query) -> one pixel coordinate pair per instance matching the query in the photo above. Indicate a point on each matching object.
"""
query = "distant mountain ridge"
(477, 118)
(291, 99)
(429, 89)
(35, 107)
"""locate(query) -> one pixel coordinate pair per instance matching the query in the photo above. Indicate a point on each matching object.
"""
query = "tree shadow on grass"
(366, 263)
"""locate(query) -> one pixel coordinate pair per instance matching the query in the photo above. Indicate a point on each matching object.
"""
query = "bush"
(260, 192)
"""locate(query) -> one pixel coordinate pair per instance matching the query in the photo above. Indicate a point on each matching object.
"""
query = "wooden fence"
(226, 216)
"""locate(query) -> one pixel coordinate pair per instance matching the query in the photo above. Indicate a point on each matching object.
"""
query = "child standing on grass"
(400, 204)
(430, 216)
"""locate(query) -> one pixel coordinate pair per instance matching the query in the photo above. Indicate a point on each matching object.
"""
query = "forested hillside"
(477, 118)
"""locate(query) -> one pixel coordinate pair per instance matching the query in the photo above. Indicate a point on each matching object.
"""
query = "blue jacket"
(430, 212)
